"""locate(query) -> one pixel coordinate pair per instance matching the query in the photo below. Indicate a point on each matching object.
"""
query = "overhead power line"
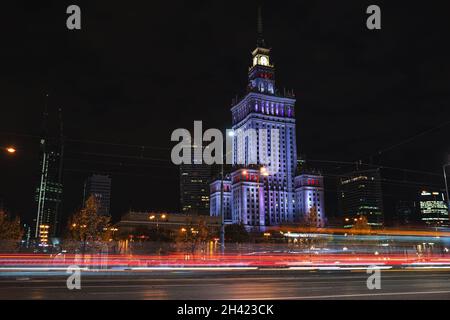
(407, 140)
(375, 166)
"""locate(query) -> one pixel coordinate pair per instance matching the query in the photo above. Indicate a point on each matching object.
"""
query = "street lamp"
(153, 217)
(10, 150)
(113, 231)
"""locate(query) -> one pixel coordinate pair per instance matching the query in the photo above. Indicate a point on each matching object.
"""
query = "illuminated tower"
(265, 140)
(49, 190)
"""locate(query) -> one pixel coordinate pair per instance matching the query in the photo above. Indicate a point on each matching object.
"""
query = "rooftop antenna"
(260, 39)
(45, 118)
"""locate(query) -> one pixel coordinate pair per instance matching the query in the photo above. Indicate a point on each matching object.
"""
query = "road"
(252, 284)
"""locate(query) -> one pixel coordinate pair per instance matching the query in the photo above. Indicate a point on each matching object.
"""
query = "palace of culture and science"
(266, 191)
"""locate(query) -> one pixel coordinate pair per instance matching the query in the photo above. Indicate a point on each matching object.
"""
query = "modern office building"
(99, 186)
(360, 195)
(405, 213)
(433, 208)
(50, 187)
(310, 199)
(194, 187)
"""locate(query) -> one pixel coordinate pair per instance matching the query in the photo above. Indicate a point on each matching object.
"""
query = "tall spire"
(44, 124)
(260, 40)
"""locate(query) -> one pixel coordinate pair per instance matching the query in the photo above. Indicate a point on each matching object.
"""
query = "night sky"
(137, 70)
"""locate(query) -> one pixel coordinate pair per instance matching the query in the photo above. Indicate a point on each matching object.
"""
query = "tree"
(311, 223)
(193, 234)
(10, 229)
(361, 224)
(11, 232)
(87, 225)
(236, 233)
(311, 219)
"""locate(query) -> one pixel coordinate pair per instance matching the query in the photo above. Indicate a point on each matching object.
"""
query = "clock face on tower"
(264, 61)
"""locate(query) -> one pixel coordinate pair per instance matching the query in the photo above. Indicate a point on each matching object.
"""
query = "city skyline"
(231, 156)
(323, 96)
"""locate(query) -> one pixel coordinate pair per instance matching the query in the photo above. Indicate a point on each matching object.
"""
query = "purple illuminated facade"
(262, 183)
(215, 199)
(310, 199)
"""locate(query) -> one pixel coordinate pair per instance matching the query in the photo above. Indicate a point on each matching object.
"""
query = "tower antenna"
(260, 40)
(45, 118)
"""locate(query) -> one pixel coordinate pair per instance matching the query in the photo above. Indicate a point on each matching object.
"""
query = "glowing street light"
(11, 150)
(163, 216)
(152, 217)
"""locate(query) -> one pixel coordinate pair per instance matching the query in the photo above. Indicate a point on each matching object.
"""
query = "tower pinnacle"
(260, 40)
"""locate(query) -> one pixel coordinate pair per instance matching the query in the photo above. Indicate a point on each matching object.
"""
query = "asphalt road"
(253, 284)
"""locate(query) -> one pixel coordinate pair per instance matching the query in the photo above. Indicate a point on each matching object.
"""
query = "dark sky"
(140, 69)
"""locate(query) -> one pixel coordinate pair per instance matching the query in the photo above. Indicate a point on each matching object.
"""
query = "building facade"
(99, 186)
(405, 213)
(247, 197)
(194, 187)
(216, 197)
(264, 148)
(310, 199)
(360, 195)
(133, 222)
(49, 191)
(433, 208)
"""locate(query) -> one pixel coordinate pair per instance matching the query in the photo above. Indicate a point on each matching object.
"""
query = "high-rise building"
(50, 187)
(216, 197)
(194, 186)
(310, 198)
(433, 208)
(99, 186)
(248, 198)
(360, 195)
(405, 213)
(264, 147)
